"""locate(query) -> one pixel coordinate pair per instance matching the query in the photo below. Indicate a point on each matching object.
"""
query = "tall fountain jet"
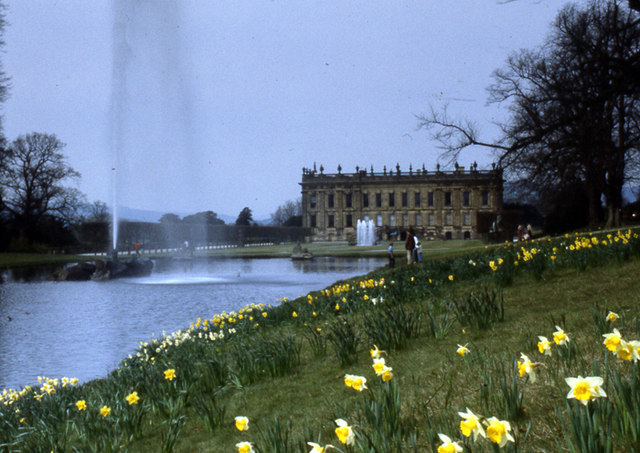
(155, 165)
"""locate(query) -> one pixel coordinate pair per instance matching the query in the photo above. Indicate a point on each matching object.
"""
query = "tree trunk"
(613, 216)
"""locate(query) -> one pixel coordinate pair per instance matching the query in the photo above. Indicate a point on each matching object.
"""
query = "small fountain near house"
(365, 232)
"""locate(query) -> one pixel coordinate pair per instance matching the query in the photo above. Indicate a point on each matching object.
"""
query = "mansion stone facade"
(458, 204)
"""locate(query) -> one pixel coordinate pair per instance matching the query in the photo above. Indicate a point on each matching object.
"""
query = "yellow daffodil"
(375, 352)
(526, 366)
(544, 345)
(105, 411)
(344, 432)
(612, 317)
(448, 446)
(585, 389)
(623, 351)
(245, 447)
(635, 346)
(470, 424)
(242, 423)
(81, 405)
(133, 398)
(612, 340)
(316, 448)
(294, 314)
(378, 366)
(628, 350)
(358, 383)
(462, 350)
(170, 374)
(451, 278)
(387, 375)
(499, 431)
(560, 337)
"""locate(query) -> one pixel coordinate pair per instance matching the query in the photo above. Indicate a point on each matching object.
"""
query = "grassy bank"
(431, 249)
(284, 367)
(21, 260)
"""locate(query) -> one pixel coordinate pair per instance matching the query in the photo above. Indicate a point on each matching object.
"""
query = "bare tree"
(287, 210)
(33, 177)
(4, 93)
(98, 211)
(574, 107)
(4, 80)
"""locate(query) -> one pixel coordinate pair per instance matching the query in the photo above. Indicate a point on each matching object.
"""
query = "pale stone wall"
(438, 204)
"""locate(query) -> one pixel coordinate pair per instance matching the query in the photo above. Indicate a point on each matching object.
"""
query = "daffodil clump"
(358, 383)
(545, 346)
(475, 426)
(216, 329)
(624, 350)
(539, 256)
(48, 386)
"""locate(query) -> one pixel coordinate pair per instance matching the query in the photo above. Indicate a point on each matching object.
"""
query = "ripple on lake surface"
(84, 329)
(179, 280)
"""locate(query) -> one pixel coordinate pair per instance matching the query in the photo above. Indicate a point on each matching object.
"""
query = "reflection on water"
(83, 329)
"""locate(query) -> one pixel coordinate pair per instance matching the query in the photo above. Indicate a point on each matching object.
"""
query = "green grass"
(434, 381)
(431, 249)
(431, 382)
(18, 260)
(342, 249)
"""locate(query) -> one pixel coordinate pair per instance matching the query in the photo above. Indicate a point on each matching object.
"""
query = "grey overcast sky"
(217, 105)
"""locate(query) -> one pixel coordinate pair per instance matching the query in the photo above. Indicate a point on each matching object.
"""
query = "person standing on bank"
(392, 259)
(417, 250)
(409, 245)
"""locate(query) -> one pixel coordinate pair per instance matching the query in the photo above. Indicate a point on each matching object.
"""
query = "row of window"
(431, 220)
(404, 199)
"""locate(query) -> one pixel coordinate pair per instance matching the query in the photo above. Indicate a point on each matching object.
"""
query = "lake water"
(83, 329)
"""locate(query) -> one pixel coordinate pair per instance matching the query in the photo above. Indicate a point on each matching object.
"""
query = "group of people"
(524, 235)
(412, 246)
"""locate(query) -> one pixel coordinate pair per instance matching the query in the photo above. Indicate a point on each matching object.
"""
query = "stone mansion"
(457, 204)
